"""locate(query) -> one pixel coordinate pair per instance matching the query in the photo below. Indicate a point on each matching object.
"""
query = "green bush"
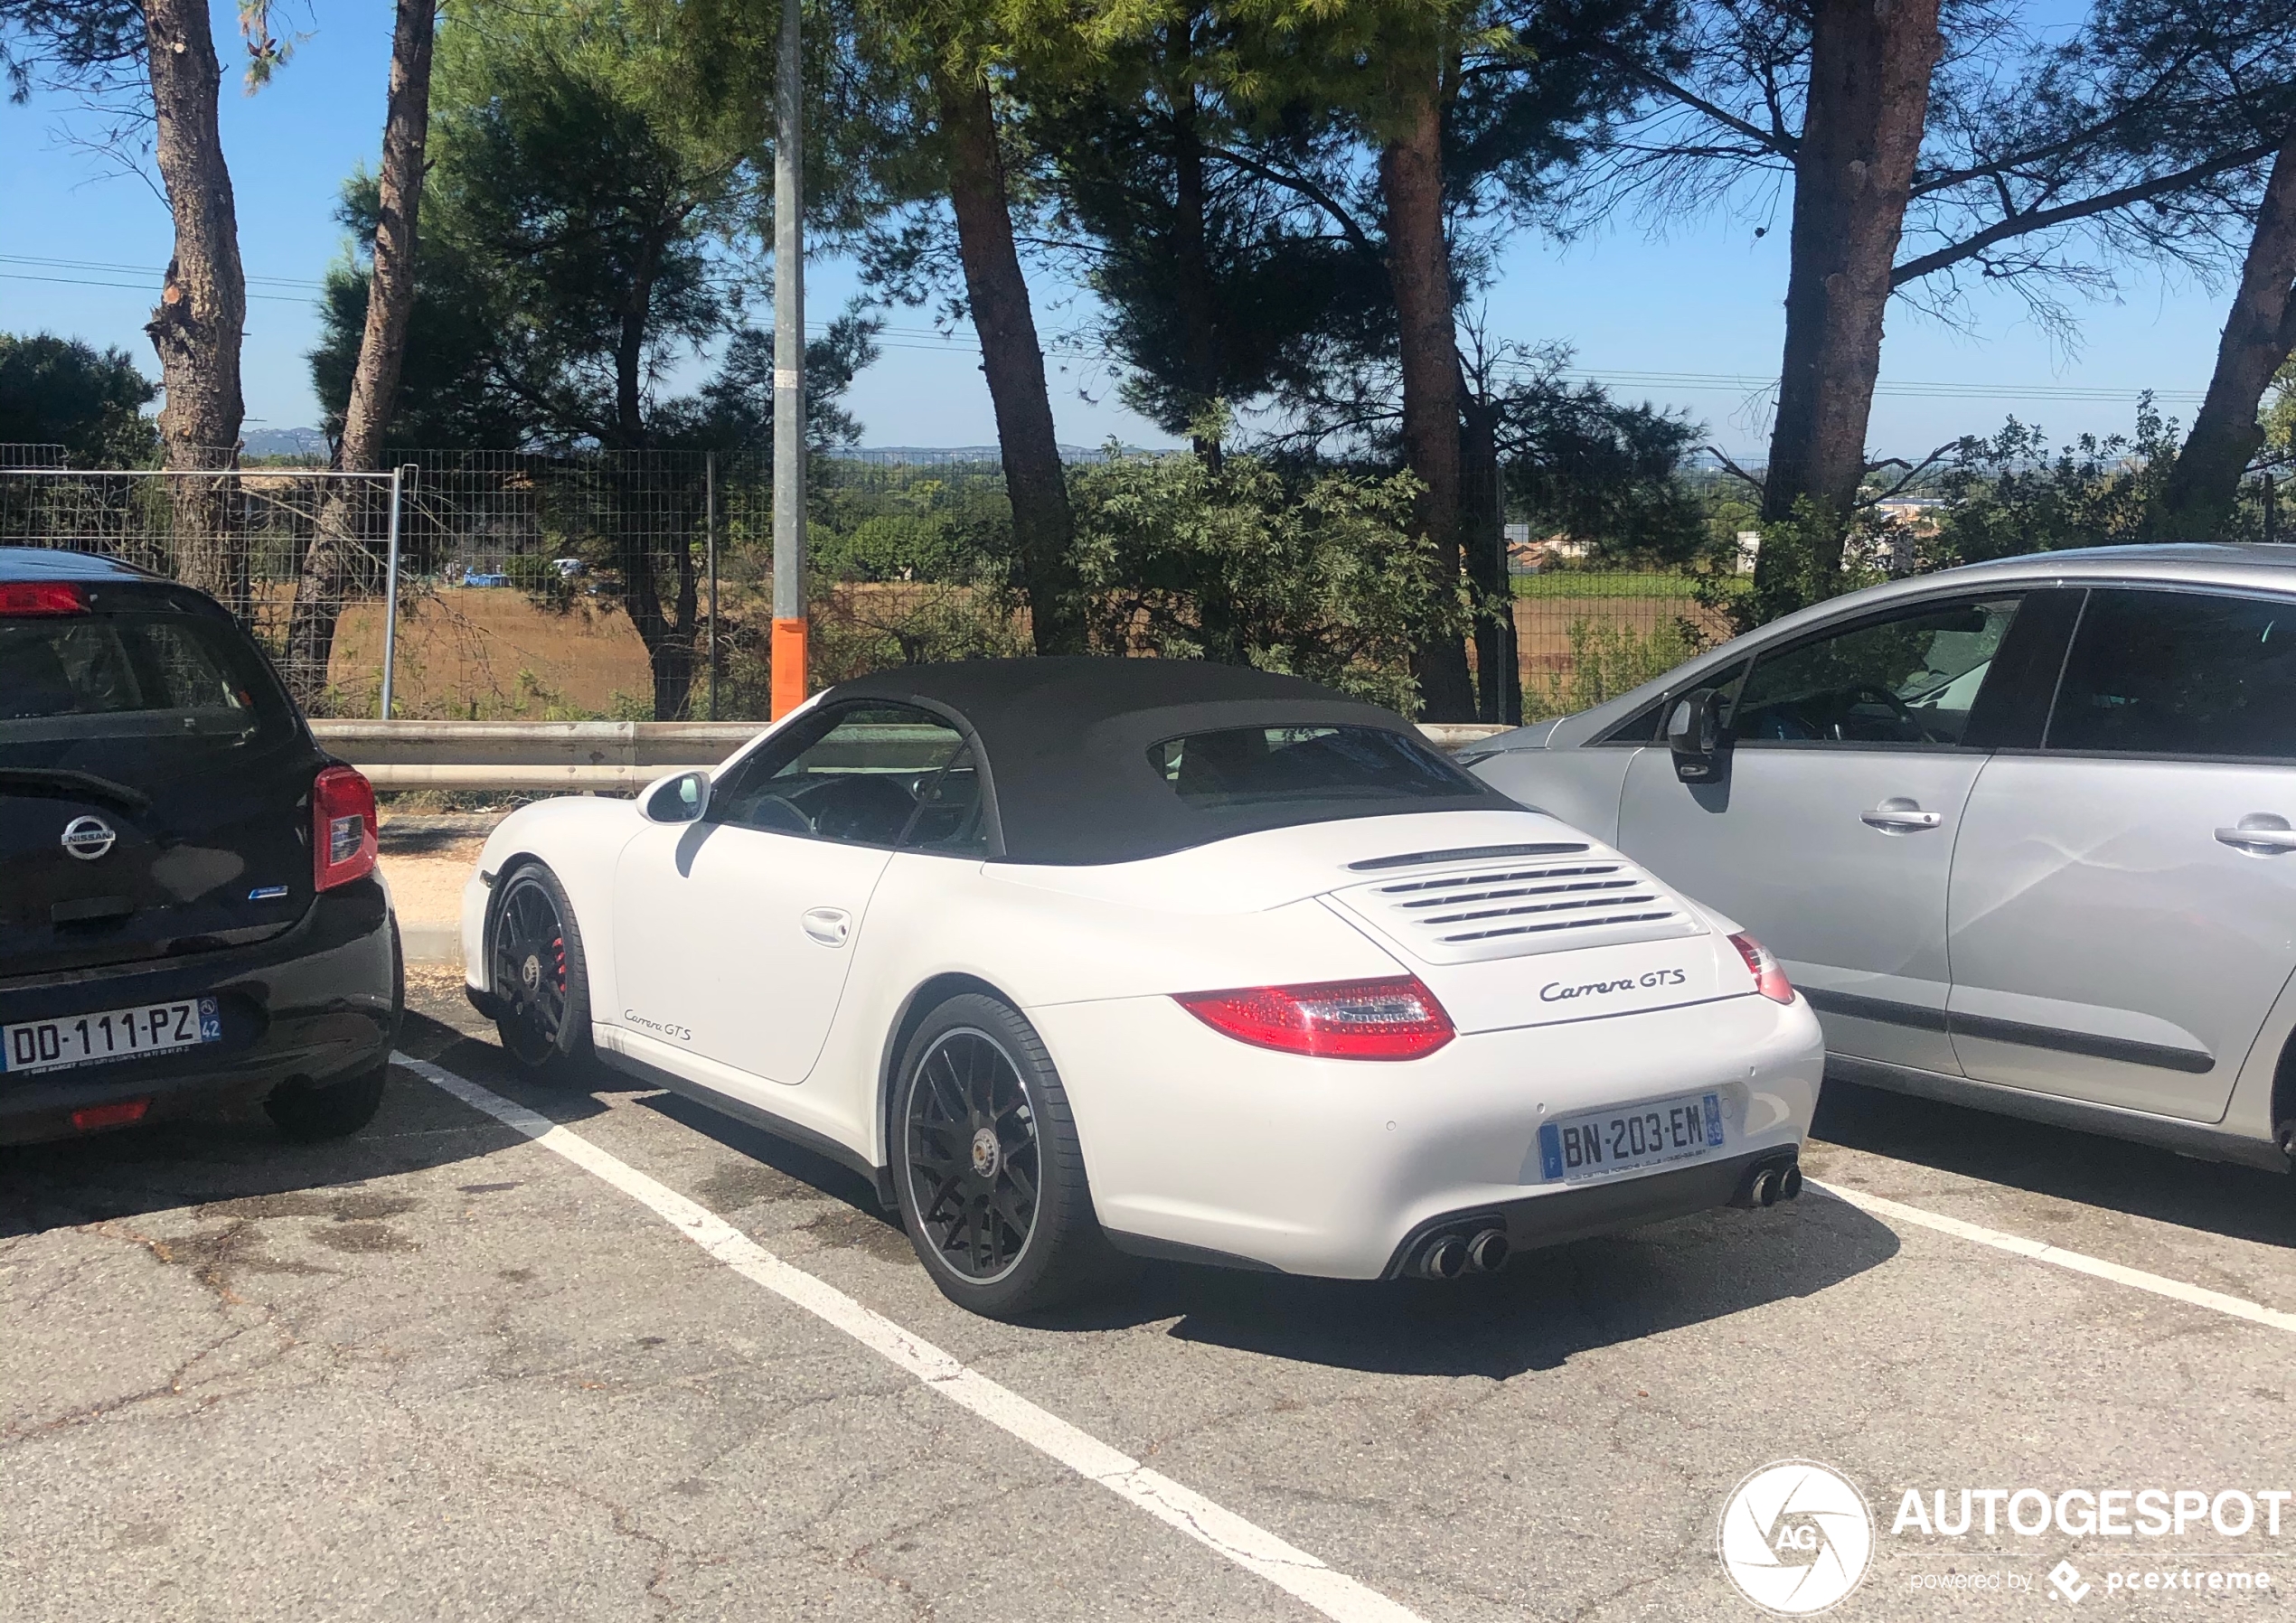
(1606, 660)
(1318, 576)
(897, 547)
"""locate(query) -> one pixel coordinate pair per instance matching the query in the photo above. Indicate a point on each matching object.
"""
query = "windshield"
(131, 691)
(1272, 765)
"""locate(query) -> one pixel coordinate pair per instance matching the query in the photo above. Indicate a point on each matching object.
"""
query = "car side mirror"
(1697, 738)
(682, 797)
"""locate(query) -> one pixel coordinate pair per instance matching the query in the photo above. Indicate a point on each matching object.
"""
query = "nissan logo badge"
(88, 838)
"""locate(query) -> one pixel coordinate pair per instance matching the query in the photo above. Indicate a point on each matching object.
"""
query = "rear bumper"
(1602, 1207)
(318, 1003)
(1200, 1146)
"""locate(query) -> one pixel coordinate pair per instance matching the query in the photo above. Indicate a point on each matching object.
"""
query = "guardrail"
(574, 757)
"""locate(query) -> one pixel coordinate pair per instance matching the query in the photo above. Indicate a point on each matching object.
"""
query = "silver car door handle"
(1899, 816)
(828, 926)
(2260, 835)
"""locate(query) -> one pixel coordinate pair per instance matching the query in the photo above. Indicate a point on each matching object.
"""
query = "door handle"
(1898, 815)
(2259, 834)
(828, 926)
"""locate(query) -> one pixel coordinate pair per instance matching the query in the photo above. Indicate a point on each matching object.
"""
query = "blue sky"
(1661, 319)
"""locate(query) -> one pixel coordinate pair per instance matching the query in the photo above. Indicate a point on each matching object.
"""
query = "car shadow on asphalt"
(236, 1161)
(1546, 1305)
(1544, 1309)
(2240, 1203)
(830, 1178)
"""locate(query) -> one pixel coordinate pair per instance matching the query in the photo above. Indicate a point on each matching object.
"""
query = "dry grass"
(489, 652)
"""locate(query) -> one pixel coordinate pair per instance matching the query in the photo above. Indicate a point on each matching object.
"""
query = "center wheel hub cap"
(986, 1153)
(531, 973)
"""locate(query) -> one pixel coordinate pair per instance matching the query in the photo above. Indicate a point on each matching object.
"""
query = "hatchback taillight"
(1336, 1019)
(343, 828)
(1769, 978)
(22, 599)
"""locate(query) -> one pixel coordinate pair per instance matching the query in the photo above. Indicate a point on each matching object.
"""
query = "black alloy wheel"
(537, 972)
(987, 1168)
(973, 1157)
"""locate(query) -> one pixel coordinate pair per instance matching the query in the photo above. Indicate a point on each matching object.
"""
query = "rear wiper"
(68, 781)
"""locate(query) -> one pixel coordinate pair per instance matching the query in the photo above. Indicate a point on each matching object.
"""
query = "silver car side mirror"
(1697, 738)
(682, 797)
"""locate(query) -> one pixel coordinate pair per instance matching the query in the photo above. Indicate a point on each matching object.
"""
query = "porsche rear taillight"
(26, 599)
(1397, 1019)
(343, 828)
(1769, 979)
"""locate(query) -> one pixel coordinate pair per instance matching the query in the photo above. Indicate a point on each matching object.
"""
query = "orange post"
(788, 666)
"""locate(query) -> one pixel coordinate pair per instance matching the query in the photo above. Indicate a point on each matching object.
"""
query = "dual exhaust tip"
(1485, 1249)
(1448, 1256)
(1766, 1186)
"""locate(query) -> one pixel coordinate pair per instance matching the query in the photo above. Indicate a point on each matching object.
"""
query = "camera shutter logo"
(1796, 1537)
(88, 838)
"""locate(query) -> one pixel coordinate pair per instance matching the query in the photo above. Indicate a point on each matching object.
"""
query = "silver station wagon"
(2023, 832)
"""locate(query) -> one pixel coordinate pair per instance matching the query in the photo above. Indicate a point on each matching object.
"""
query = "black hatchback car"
(189, 915)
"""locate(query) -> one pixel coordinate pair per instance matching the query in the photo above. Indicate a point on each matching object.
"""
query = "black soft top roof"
(1066, 742)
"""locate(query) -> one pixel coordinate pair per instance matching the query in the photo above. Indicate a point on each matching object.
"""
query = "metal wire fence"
(243, 535)
(637, 586)
(628, 584)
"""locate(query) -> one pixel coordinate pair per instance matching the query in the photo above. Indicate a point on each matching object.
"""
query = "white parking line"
(2136, 1279)
(1253, 1548)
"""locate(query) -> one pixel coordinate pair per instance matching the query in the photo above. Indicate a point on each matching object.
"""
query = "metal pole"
(391, 593)
(788, 374)
(710, 522)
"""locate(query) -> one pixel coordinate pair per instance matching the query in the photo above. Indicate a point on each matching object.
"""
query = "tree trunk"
(1419, 268)
(669, 643)
(1193, 287)
(1043, 524)
(1871, 63)
(202, 308)
(1483, 532)
(353, 507)
(2259, 334)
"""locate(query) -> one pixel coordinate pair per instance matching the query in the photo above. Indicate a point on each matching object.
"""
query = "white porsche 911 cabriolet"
(1186, 960)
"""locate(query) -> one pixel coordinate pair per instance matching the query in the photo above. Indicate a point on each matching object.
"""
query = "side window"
(1912, 678)
(854, 774)
(949, 821)
(1648, 725)
(1640, 727)
(2180, 673)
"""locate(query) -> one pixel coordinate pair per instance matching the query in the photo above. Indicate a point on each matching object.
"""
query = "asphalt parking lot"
(447, 1370)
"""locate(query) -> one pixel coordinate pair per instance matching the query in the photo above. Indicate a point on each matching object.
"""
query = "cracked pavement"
(437, 1371)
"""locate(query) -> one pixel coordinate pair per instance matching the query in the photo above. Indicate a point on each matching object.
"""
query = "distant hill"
(285, 441)
(310, 442)
(967, 453)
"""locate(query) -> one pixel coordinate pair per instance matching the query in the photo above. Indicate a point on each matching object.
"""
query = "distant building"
(1526, 556)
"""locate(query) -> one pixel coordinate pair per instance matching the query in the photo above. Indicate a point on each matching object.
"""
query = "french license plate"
(1604, 1141)
(94, 1039)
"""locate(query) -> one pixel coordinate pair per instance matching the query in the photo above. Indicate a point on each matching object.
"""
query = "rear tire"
(538, 975)
(986, 1165)
(307, 1113)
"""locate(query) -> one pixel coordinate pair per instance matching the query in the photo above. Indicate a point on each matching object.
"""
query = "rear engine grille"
(1522, 908)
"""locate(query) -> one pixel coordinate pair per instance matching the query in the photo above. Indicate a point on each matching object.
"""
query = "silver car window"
(1909, 678)
(2180, 673)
